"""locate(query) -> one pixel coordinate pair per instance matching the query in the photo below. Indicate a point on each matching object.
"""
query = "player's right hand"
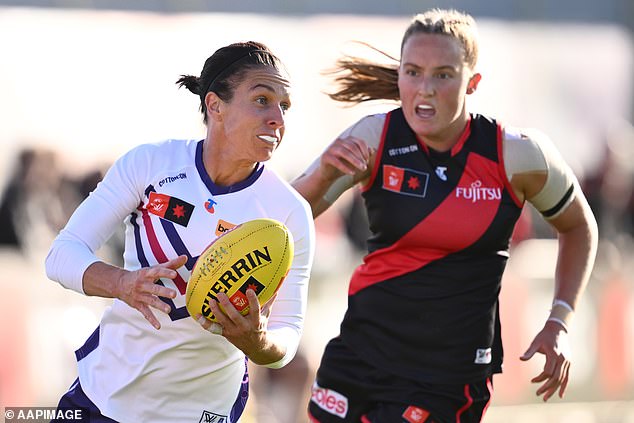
(345, 156)
(139, 289)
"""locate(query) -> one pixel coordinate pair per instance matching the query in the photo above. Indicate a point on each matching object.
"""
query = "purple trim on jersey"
(238, 407)
(177, 243)
(137, 240)
(89, 346)
(76, 399)
(217, 189)
(175, 312)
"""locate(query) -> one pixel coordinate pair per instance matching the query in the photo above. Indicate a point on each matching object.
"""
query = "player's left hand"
(552, 341)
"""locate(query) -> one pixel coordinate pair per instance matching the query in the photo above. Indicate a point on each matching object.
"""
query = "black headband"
(226, 68)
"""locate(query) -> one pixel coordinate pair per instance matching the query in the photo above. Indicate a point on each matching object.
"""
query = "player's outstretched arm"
(578, 237)
(136, 288)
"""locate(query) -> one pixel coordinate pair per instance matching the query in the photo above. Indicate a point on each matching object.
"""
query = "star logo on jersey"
(179, 211)
(209, 205)
(413, 183)
(170, 208)
(405, 181)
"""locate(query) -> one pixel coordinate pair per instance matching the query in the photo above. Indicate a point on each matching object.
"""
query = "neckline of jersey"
(219, 189)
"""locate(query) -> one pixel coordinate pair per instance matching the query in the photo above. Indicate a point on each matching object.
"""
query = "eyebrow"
(436, 68)
(268, 88)
(265, 86)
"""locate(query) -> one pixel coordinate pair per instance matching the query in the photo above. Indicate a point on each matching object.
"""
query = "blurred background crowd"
(81, 82)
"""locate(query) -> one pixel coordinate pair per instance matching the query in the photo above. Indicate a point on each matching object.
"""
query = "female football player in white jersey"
(175, 197)
(443, 188)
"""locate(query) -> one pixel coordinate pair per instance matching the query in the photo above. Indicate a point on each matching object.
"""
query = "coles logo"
(330, 401)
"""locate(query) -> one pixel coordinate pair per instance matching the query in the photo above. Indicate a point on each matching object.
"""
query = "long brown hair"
(360, 79)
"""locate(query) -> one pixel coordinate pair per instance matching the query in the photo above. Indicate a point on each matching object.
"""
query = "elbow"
(287, 358)
(49, 263)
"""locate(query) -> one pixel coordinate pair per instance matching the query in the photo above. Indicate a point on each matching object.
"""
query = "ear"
(213, 106)
(473, 83)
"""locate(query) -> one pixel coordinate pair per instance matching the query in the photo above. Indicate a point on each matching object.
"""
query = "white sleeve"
(286, 321)
(93, 223)
(529, 150)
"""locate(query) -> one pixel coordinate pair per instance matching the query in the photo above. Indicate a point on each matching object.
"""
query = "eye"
(261, 100)
(411, 72)
(285, 106)
(443, 75)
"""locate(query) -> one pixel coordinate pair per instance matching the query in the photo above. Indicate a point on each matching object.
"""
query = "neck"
(222, 167)
(446, 139)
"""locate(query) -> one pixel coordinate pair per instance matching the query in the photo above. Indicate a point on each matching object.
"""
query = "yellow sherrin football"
(256, 254)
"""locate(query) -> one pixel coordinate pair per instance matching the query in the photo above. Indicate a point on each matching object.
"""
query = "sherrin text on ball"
(254, 255)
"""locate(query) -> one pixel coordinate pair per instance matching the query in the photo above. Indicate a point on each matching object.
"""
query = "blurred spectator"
(39, 198)
(610, 188)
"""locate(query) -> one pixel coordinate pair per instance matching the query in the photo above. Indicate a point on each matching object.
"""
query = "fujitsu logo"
(330, 401)
(477, 192)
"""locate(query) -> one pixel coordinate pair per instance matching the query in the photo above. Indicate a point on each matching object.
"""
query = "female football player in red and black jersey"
(443, 189)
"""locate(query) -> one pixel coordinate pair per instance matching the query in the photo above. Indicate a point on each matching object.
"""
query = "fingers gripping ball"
(256, 254)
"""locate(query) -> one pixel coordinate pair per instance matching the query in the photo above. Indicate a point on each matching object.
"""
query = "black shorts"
(349, 390)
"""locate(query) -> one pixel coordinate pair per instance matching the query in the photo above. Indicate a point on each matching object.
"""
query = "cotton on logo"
(331, 401)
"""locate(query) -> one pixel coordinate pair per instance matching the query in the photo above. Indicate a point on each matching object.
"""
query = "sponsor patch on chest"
(170, 208)
(476, 191)
(405, 181)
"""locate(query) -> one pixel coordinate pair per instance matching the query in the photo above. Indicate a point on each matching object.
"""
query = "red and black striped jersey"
(424, 303)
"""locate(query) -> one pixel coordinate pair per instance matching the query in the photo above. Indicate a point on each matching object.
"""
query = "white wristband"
(563, 304)
(562, 313)
(561, 322)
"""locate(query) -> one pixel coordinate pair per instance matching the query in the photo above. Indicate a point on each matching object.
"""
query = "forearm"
(102, 280)
(271, 351)
(578, 238)
(313, 189)
(577, 252)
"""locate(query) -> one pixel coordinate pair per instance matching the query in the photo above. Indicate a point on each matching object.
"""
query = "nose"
(276, 117)
(426, 87)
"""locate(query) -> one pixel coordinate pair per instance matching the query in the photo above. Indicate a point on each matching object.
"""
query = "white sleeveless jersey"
(180, 373)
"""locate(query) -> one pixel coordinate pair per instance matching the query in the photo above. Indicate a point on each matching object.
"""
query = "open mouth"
(270, 139)
(425, 111)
